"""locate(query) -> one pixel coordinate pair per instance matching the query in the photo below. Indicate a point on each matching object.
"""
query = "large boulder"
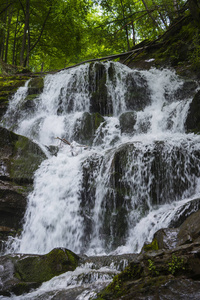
(189, 231)
(22, 272)
(169, 238)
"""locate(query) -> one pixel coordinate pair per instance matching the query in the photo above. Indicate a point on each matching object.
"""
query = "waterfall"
(138, 169)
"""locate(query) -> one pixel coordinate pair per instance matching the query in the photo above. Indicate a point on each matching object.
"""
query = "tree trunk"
(26, 25)
(30, 48)
(8, 33)
(127, 38)
(14, 42)
(2, 35)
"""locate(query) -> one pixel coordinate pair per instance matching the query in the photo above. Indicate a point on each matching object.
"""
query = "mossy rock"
(20, 156)
(153, 246)
(35, 85)
(11, 84)
(23, 272)
(27, 156)
(40, 268)
(150, 271)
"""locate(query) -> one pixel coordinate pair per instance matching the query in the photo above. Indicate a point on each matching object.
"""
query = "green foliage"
(64, 32)
(195, 57)
(152, 268)
(176, 264)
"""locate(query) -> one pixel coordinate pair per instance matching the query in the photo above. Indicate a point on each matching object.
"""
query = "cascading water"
(132, 179)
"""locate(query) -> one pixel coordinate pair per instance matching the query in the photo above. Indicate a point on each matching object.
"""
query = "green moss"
(98, 119)
(27, 156)
(36, 85)
(31, 97)
(153, 246)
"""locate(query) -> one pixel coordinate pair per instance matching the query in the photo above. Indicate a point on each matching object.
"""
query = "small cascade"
(138, 168)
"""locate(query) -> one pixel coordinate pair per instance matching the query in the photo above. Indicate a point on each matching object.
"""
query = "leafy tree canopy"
(45, 35)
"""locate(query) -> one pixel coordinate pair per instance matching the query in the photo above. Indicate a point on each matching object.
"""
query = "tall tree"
(26, 11)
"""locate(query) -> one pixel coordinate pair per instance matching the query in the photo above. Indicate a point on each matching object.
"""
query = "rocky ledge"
(168, 268)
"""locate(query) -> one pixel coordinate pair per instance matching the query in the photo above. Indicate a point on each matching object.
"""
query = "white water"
(54, 217)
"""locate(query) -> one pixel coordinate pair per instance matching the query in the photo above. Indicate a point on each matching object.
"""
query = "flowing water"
(158, 174)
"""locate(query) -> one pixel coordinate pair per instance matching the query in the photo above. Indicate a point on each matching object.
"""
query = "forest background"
(44, 35)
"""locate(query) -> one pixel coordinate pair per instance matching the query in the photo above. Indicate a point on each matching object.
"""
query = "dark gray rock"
(192, 122)
(85, 128)
(19, 159)
(138, 94)
(189, 231)
(127, 121)
(100, 99)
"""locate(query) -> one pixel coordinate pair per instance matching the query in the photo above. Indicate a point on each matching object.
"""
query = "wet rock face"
(138, 94)
(85, 128)
(184, 212)
(100, 100)
(192, 122)
(20, 273)
(127, 121)
(19, 159)
(12, 205)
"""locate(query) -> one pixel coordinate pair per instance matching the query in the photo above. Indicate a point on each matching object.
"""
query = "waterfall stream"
(116, 193)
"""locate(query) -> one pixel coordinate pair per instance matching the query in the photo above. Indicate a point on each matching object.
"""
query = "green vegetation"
(153, 246)
(176, 264)
(52, 34)
(152, 268)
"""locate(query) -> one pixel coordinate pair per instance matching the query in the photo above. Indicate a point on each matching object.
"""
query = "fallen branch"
(70, 144)
(64, 141)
